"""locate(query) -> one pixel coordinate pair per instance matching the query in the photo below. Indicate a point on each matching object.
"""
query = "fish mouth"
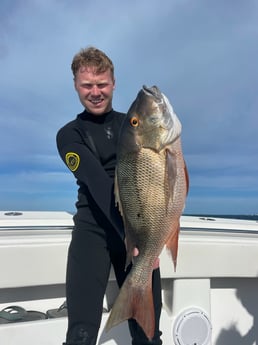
(157, 97)
(153, 91)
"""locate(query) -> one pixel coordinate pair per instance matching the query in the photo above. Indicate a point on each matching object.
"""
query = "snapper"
(151, 186)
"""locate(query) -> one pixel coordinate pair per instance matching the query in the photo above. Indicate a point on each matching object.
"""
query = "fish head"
(150, 122)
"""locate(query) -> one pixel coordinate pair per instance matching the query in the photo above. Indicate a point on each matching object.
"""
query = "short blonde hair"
(92, 57)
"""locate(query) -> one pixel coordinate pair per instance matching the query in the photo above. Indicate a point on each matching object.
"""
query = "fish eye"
(134, 121)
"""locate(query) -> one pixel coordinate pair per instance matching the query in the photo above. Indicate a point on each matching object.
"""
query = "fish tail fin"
(172, 245)
(134, 302)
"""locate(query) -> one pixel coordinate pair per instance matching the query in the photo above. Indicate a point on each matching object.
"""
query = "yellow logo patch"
(72, 160)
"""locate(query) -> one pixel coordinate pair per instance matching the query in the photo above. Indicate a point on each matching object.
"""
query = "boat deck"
(210, 299)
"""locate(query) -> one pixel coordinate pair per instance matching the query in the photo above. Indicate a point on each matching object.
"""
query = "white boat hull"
(210, 299)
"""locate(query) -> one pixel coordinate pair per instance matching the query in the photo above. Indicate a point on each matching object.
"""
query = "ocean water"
(230, 216)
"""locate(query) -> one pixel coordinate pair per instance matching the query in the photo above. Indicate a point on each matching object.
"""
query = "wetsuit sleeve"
(88, 169)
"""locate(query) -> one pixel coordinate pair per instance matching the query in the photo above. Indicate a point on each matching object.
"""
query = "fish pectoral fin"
(186, 178)
(134, 302)
(172, 245)
(171, 170)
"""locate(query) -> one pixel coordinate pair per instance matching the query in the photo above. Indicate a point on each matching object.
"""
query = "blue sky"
(202, 54)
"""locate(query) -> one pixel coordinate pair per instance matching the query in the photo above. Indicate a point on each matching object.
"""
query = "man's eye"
(90, 86)
(102, 85)
(87, 86)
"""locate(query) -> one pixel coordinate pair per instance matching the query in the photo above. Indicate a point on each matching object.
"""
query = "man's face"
(95, 90)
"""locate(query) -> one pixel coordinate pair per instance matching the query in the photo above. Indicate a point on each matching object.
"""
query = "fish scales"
(142, 184)
(143, 177)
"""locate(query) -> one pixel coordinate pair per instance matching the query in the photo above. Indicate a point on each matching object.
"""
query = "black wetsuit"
(87, 145)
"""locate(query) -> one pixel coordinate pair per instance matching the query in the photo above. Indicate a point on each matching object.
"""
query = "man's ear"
(74, 84)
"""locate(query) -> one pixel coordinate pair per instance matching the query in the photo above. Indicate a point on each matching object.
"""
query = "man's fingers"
(156, 264)
(135, 251)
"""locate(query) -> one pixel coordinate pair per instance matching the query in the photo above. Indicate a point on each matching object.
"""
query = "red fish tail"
(134, 302)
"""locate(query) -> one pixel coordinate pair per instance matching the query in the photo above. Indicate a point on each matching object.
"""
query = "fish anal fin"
(117, 195)
(129, 242)
(172, 244)
(129, 249)
(134, 302)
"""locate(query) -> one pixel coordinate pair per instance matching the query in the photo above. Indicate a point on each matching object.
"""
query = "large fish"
(151, 185)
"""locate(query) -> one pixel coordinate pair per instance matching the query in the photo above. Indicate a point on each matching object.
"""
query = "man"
(87, 145)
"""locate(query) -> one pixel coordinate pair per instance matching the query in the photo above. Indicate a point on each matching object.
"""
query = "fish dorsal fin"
(172, 244)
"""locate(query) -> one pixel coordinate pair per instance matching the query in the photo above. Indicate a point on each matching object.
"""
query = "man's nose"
(95, 91)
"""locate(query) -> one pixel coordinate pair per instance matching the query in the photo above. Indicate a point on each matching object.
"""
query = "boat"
(211, 298)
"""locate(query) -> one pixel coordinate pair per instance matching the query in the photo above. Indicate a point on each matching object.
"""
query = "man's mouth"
(96, 101)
